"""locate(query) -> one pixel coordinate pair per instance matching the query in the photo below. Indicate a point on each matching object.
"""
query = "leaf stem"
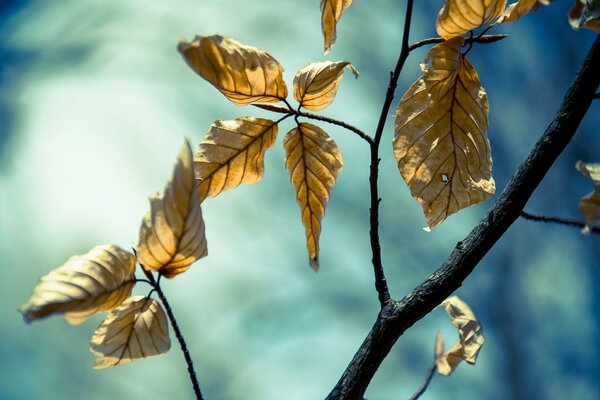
(557, 220)
(426, 382)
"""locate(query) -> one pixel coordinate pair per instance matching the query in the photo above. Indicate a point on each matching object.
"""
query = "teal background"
(95, 102)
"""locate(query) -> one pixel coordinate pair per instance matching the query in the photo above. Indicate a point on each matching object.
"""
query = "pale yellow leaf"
(137, 329)
(520, 8)
(313, 161)
(585, 14)
(232, 153)
(244, 74)
(592, 171)
(440, 137)
(458, 17)
(589, 205)
(315, 85)
(172, 234)
(85, 285)
(470, 336)
(331, 12)
(438, 349)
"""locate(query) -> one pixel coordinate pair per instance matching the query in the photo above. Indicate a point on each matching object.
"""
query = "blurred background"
(95, 103)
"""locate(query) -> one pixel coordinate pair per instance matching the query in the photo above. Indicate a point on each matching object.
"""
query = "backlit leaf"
(313, 161)
(315, 85)
(518, 9)
(585, 14)
(589, 205)
(458, 17)
(331, 12)
(244, 74)
(85, 285)
(135, 330)
(470, 336)
(440, 138)
(232, 153)
(172, 235)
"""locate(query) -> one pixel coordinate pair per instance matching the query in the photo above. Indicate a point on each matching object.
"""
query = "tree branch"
(397, 316)
(556, 220)
(426, 382)
(477, 39)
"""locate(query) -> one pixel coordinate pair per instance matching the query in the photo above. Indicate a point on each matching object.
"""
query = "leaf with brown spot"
(172, 234)
(331, 12)
(589, 205)
(244, 74)
(520, 8)
(232, 153)
(316, 85)
(458, 17)
(137, 329)
(97, 281)
(313, 160)
(585, 14)
(440, 139)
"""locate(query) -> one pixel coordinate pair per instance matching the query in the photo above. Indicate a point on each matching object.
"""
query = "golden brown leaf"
(172, 234)
(470, 336)
(85, 285)
(458, 17)
(244, 74)
(441, 135)
(589, 205)
(135, 330)
(331, 12)
(585, 14)
(315, 85)
(313, 161)
(232, 153)
(520, 8)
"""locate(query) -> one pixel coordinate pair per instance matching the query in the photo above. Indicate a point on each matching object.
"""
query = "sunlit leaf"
(331, 12)
(585, 14)
(137, 329)
(313, 161)
(172, 235)
(589, 205)
(470, 336)
(441, 135)
(232, 153)
(315, 85)
(458, 17)
(85, 285)
(244, 74)
(520, 8)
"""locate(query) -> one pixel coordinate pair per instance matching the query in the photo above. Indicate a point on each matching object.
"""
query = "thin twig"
(482, 39)
(557, 220)
(426, 382)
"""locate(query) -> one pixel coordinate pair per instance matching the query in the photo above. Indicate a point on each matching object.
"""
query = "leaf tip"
(314, 263)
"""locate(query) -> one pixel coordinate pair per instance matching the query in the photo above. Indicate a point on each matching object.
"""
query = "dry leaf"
(313, 161)
(135, 330)
(458, 17)
(441, 135)
(232, 153)
(315, 85)
(85, 285)
(172, 235)
(585, 14)
(589, 205)
(520, 8)
(244, 74)
(438, 349)
(470, 336)
(331, 12)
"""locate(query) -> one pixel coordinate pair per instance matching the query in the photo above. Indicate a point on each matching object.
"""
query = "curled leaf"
(440, 139)
(589, 205)
(232, 153)
(315, 85)
(585, 14)
(520, 8)
(97, 281)
(470, 336)
(458, 17)
(137, 329)
(172, 234)
(313, 161)
(244, 74)
(331, 12)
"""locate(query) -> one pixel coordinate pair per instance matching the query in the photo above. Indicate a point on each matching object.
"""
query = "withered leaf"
(440, 137)
(97, 281)
(585, 14)
(172, 234)
(315, 85)
(137, 329)
(232, 153)
(520, 8)
(589, 205)
(313, 161)
(470, 336)
(458, 17)
(244, 74)
(331, 12)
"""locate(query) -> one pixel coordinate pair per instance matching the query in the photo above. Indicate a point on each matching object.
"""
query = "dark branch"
(426, 382)
(478, 39)
(397, 316)
(597, 96)
(556, 220)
